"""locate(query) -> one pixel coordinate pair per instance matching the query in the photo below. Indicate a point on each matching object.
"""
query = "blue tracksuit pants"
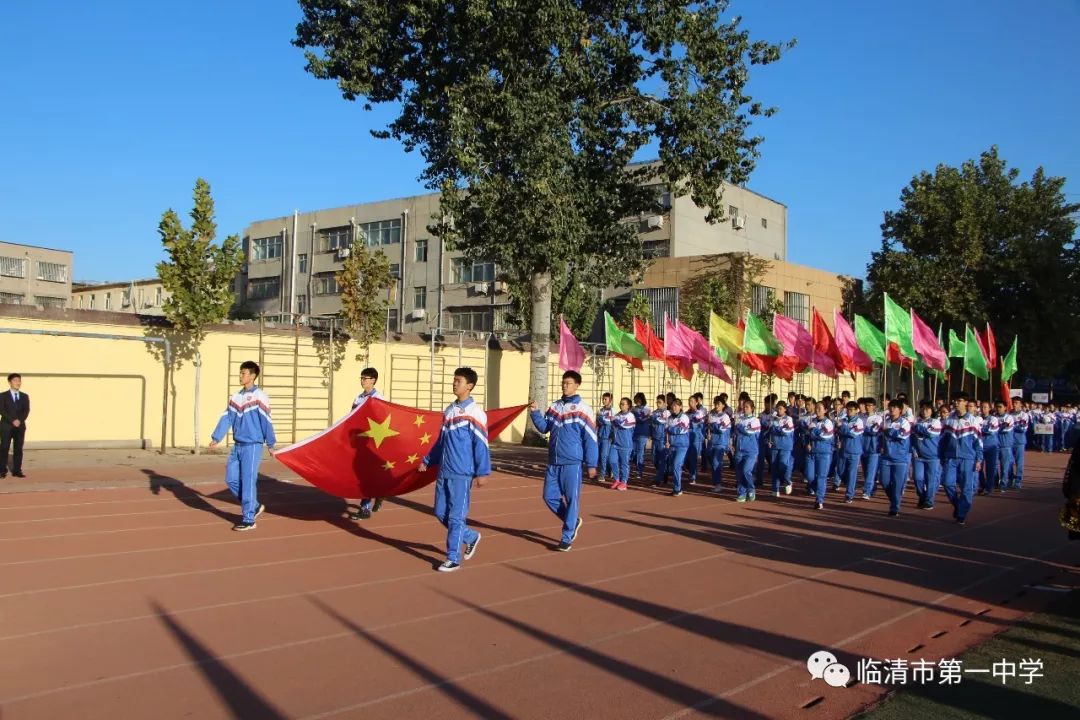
(620, 461)
(605, 466)
(562, 493)
(1018, 466)
(659, 460)
(452, 508)
(959, 482)
(640, 441)
(716, 464)
(893, 479)
(870, 472)
(744, 473)
(927, 474)
(693, 456)
(780, 464)
(1008, 458)
(847, 468)
(241, 474)
(820, 483)
(677, 456)
(989, 475)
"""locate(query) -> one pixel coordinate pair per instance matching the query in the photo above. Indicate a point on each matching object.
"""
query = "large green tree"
(974, 244)
(198, 275)
(529, 112)
(365, 280)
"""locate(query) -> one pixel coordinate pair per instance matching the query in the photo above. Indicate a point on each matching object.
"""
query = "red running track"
(129, 603)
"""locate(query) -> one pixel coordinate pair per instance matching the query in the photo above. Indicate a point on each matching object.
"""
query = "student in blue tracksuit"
(1047, 416)
(822, 442)
(1005, 442)
(642, 413)
(850, 430)
(991, 432)
(605, 436)
(926, 452)
(624, 424)
(1020, 436)
(747, 432)
(802, 430)
(658, 427)
(719, 439)
(961, 446)
(697, 415)
(781, 442)
(248, 416)
(895, 455)
(573, 443)
(462, 454)
(368, 377)
(871, 447)
(766, 418)
(677, 443)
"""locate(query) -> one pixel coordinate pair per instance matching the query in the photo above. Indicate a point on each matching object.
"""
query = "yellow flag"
(725, 337)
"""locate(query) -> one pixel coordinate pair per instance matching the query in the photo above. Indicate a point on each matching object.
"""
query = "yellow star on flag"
(379, 431)
(388, 465)
(424, 439)
(419, 420)
(412, 458)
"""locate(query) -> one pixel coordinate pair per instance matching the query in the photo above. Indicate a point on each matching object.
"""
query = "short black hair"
(897, 403)
(781, 404)
(926, 404)
(370, 372)
(12, 376)
(575, 376)
(676, 401)
(607, 394)
(852, 405)
(467, 373)
(699, 395)
(719, 399)
(640, 396)
(250, 365)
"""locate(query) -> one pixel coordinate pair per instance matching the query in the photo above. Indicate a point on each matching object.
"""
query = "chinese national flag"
(374, 450)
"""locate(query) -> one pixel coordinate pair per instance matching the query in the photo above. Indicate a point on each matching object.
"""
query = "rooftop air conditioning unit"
(419, 314)
(654, 221)
(500, 287)
(738, 222)
(343, 253)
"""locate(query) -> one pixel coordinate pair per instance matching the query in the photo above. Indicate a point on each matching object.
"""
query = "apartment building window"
(264, 288)
(301, 304)
(381, 232)
(267, 248)
(80, 302)
(395, 270)
(157, 298)
(10, 298)
(419, 298)
(108, 301)
(760, 296)
(764, 223)
(335, 238)
(421, 251)
(656, 248)
(125, 298)
(471, 320)
(326, 284)
(732, 211)
(51, 272)
(47, 301)
(465, 271)
(301, 263)
(12, 267)
(93, 301)
(392, 320)
(797, 307)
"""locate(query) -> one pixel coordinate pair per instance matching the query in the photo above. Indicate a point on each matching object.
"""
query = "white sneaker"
(787, 489)
(470, 549)
(448, 566)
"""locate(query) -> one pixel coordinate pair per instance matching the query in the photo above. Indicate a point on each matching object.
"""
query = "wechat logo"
(824, 666)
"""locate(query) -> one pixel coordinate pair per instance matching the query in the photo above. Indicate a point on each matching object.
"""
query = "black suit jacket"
(10, 410)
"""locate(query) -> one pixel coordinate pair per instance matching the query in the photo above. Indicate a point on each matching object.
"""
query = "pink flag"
(676, 344)
(926, 343)
(571, 356)
(799, 343)
(858, 361)
(705, 356)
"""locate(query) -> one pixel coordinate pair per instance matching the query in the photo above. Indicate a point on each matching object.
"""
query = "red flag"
(653, 345)
(825, 343)
(374, 450)
(894, 356)
(989, 345)
(1005, 394)
(779, 366)
(634, 362)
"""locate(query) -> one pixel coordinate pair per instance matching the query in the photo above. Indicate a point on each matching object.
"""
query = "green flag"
(869, 339)
(956, 345)
(898, 328)
(1008, 367)
(758, 340)
(974, 360)
(620, 341)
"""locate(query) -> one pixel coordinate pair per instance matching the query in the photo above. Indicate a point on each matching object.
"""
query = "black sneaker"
(448, 566)
(961, 521)
(577, 527)
(377, 505)
(564, 547)
(849, 501)
(894, 513)
(361, 513)
(470, 549)
(927, 507)
(244, 526)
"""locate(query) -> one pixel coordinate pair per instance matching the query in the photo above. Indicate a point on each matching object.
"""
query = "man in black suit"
(14, 409)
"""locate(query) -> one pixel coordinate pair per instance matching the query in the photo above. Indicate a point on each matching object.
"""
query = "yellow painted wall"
(90, 392)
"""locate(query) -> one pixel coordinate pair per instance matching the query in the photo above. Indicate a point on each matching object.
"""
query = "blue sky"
(111, 110)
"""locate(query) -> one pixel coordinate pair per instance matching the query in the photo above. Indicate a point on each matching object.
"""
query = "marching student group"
(963, 448)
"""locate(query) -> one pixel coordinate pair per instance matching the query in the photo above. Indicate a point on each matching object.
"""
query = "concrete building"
(291, 260)
(31, 275)
(139, 297)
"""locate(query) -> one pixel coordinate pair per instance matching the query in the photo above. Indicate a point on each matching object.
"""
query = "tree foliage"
(528, 114)
(639, 308)
(197, 275)
(972, 244)
(365, 283)
(722, 284)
